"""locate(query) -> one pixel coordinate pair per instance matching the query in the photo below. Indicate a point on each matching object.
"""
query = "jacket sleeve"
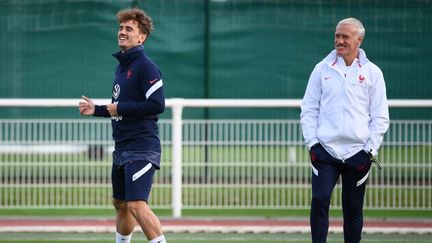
(153, 105)
(100, 110)
(379, 113)
(310, 108)
(154, 101)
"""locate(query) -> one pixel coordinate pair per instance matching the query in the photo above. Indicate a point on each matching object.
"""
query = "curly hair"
(145, 23)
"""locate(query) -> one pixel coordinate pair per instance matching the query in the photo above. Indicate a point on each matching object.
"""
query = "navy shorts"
(131, 176)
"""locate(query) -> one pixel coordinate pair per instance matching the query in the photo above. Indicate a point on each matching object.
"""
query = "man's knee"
(321, 200)
(135, 206)
(119, 205)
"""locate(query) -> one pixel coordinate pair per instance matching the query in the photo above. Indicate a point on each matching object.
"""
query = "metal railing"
(205, 163)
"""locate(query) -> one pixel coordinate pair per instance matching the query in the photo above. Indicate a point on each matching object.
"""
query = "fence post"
(177, 123)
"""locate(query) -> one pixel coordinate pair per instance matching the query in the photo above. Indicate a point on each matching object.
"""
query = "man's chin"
(123, 47)
(340, 52)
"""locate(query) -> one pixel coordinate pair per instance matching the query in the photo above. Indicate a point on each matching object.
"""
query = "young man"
(344, 115)
(137, 99)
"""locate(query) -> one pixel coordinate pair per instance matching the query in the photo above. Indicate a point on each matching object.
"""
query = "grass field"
(205, 237)
(211, 213)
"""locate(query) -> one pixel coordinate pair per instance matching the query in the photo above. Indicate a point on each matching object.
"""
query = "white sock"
(159, 239)
(122, 238)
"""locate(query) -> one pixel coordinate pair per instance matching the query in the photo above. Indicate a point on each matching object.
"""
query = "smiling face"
(347, 41)
(129, 35)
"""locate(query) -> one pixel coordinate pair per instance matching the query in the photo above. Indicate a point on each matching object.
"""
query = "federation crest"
(116, 91)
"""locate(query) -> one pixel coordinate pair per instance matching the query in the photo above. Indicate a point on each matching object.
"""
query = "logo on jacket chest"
(361, 78)
(116, 91)
(360, 81)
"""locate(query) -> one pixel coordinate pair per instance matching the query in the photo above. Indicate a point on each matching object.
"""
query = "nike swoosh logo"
(153, 81)
(325, 78)
(141, 172)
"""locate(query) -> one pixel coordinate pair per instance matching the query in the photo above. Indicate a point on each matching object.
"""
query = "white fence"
(205, 163)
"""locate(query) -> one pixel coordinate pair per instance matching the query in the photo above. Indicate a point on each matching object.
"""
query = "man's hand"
(112, 109)
(86, 107)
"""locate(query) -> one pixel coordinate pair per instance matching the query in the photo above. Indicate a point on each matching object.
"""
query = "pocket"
(313, 152)
(361, 161)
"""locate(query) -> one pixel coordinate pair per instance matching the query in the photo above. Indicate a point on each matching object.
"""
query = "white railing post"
(177, 139)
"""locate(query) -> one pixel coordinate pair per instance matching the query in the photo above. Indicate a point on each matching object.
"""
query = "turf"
(264, 213)
(205, 237)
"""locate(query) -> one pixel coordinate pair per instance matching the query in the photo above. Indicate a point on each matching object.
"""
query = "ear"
(360, 39)
(143, 37)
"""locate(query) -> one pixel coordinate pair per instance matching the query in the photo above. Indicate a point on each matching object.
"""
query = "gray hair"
(356, 22)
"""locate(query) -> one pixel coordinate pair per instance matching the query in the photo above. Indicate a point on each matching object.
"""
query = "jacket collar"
(126, 57)
(332, 58)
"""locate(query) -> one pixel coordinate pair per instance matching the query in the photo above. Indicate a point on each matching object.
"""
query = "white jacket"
(345, 110)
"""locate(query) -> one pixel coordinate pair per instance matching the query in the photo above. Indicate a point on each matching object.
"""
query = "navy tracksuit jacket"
(138, 90)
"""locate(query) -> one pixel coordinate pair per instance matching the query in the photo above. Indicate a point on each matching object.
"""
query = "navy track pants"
(325, 173)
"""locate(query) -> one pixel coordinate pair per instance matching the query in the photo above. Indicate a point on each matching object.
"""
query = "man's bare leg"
(145, 217)
(125, 221)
